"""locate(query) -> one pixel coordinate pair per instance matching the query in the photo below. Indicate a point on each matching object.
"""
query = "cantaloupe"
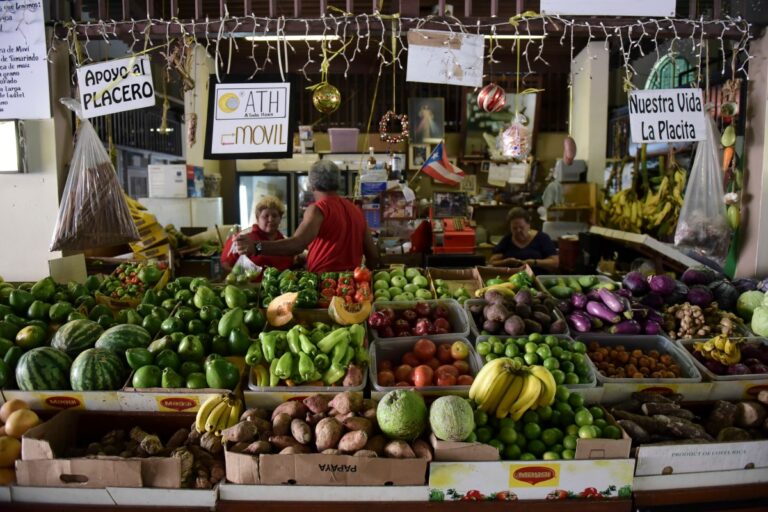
(348, 314)
(11, 405)
(10, 450)
(20, 421)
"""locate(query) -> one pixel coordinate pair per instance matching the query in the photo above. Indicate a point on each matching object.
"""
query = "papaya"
(280, 309)
(234, 297)
(348, 314)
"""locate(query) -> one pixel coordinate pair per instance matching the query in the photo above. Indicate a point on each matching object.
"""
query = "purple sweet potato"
(281, 424)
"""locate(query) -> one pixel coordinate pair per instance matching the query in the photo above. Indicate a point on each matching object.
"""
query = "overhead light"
(310, 37)
(514, 36)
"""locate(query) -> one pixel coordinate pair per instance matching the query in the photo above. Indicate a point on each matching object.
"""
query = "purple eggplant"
(635, 282)
(602, 312)
(579, 300)
(623, 292)
(652, 328)
(611, 301)
(564, 306)
(661, 284)
(597, 324)
(654, 316)
(700, 295)
(593, 295)
(579, 322)
(653, 300)
(626, 327)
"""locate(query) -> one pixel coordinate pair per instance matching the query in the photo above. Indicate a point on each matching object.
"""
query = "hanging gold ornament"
(326, 98)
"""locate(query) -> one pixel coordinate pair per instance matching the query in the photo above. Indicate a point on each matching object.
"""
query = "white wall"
(590, 108)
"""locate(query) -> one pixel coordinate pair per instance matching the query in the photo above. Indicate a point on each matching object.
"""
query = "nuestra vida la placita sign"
(666, 115)
(250, 119)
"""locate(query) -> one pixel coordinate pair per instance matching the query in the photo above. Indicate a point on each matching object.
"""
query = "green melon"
(97, 369)
(120, 338)
(402, 414)
(451, 418)
(43, 368)
(75, 336)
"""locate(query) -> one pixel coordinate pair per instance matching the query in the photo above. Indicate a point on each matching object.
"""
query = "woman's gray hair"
(324, 176)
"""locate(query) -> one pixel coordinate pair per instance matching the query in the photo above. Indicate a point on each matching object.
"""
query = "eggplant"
(626, 327)
(597, 324)
(532, 326)
(611, 301)
(653, 300)
(593, 295)
(698, 275)
(543, 318)
(654, 316)
(652, 328)
(564, 307)
(493, 297)
(523, 310)
(678, 295)
(700, 295)
(623, 292)
(523, 297)
(579, 322)
(661, 284)
(476, 309)
(579, 300)
(514, 326)
(602, 312)
(635, 283)
(492, 326)
(558, 326)
(496, 313)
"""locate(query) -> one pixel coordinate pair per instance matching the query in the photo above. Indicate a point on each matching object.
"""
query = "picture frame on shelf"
(426, 117)
(485, 166)
(417, 155)
(395, 206)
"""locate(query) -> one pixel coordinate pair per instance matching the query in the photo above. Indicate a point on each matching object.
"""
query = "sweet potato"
(376, 444)
(301, 431)
(313, 419)
(422, 449)
(354, 377)
(750, 414)
(281, 424)
(358, 423)
(256, 412)
(370, 414)
(353, 441)
(177, 439)
(294, 450)
(364, 453)
(316, 403)
(245, 431)
(327, 434)
(331, 451)
(211, 443)
(399, 450)
(341, 418)
(281, 442)
(762, 396)
(293, 408)
(217, 472)
(347, 401)
(258, 447)
(237, 447)
(261, 424)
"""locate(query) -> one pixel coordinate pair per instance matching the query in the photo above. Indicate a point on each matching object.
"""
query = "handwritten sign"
(116, 86)
(609, 7)
(666, 115)
(23, 64)
(250, 120)
(441, 57)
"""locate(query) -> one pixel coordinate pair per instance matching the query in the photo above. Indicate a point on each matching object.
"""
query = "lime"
(551, 363)
(566, 418)
(576, 400)
(519, 360)
(563, 407)
(572, 430)
(490, 357)
(493, 422)
(557, 448)
(544, 412)
(612, 432)
(484, 434)
(550, 436)
(494, 339)
(584, 379)
(535, 337)
(531, 359)
(527, 456)
(581, 369)
(471, 438)
(551, 456)
(507, 422)
(508, 435)
(557, 352)
(531, 417)
(521, 442)
(498, 348)
(568, 454)
(588, 432)
(497, 444)
(565, 356)
(511, 452)
(569, 442)
(481, 418)
(567, 366)
(582, 418)
(597, 412)
(544, 352)
(571, 378)
(555, 419)
(598, 431)
(577, 358)
(537, 447)
(532, 431)
(511, 350)
(520, 342)
(562, 393)
(600, 423)
(531, 347)
(579, 347)
(559, 376)
(551, 341)
(483, 348)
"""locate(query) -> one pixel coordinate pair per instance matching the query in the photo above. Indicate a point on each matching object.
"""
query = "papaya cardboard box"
(43, 449)
(458, 451)
(241, 468)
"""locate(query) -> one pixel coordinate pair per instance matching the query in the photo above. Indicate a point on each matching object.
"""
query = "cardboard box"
(43, 450)
(167, 180)
(159, 252)
(455, 278)
(150, 235)
(65, 399)
(693, 458)
(310, 493)
(450, 451)
(61, 496)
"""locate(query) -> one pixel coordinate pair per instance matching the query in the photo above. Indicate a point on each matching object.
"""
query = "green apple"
(380, 284)
(399, 281)
(439, 283)
(381, 275)
(409, 296)
(442, 290)
(420, 281)
(400, 298)
(382, 294)
(411, 273)
(423, 294)
(445, 296)
(395, 291)
(396, 272)
(410, 287)
(460, 292)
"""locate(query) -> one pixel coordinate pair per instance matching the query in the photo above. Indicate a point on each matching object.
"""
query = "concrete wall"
(590, 111)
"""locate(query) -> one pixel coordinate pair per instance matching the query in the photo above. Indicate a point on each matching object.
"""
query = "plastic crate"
(474, 329)
(456, 315)
(394, 349)
(271, 397)
(544, 280)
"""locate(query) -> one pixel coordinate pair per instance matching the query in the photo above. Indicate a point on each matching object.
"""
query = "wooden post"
(467, 8)
(441, 7)
(150, 8)
(247, 7)
(272, 8)
(103, 10)
(494, 8)
(174, 5)
(198, 9)
(126, 9)
(323, 7)
(351, 6)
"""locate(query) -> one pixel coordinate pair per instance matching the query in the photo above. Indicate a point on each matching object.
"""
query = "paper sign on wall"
(609, 7)
(666, 115)
(116, 86)
(23, 61)
(440, 57)
(250, 120)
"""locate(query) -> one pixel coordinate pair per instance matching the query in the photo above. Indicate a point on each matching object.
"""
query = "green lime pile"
(564, 358)
(548, 433)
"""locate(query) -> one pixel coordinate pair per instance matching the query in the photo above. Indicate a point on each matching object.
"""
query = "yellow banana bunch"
(218, 413)
(504, 388)
(721, 348)
(506, 289)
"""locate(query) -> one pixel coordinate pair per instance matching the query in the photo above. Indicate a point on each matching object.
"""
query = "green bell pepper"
(306, 346)
(362, 358)
(322, 362)
(521, 280)
(274, 380)
(254, 354)
(269, 345)
(330, 340)
(284, 367)
(340, 353)
(293, 341)
(306, 367)
(357, 333)
(333, 374)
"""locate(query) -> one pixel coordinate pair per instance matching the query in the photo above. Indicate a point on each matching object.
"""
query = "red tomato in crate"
(386, 378)
(446, 380)
(424, 349)
(403, 373)
(422, 376)
(462, 365)
(410, 359)
(465, 380)
(444, 353)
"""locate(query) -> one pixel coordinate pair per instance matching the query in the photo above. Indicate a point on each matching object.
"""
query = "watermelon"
(97, 369)
(75, 336)
(43, 368)
(120, 338)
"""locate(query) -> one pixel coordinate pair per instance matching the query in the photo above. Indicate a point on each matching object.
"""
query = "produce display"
(514, 282)
(275, 283)
(650, 418)
(563, 357)
(564, 287)
(401, 285)
(130, 281)
(460, 293)
(617, 362)
(423, 319)
(731, 356)
(504, 311)
(687, 321)
(15, 419)
(352, 287)
(428, 363)
(603, 310)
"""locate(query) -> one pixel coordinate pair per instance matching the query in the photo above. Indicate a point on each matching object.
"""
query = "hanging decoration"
(492, 98)
(326, 98)
(385, 124)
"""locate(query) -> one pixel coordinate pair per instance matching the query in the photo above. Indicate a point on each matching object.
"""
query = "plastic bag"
(244, 271)
(702, 229)
(93, 211)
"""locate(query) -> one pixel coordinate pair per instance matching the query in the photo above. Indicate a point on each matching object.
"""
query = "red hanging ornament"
(491, 98)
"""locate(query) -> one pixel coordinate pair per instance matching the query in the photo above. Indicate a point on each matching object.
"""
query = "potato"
(331, 451)
(341, 418)
(281, 442)
(281, 424)
(254, 413)
(10, 406)
(327, 434)
(245, 431)
(422, 449)
(370, 414)
(357, 423)
(399, 450)
(294, 409)
(347, 401)
(258, 447)
(316, 403)
(211, 443)
(237, 447)
(301, 431)
(353, 441)
(294, 450)
(376, 444)
(353, 378)
(364, 453)
(261, 424)
(314, 419)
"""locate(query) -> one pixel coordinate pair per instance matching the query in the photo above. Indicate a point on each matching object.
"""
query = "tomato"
(447, 369)
(323, 302)
(362, 274)
(424, 349)
(462, 366)
(386, 364)
(403, 373)
(444, 353)
(422, 376)
(410, 359)
(363, 295)
(433, 363)
(465, 380)
(344, 290)
(386, 378)
(459, 350)
(446, 380)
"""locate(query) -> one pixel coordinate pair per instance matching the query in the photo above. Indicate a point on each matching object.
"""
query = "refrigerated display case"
(251, 187)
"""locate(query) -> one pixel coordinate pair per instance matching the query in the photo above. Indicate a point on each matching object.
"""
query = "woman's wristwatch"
(257, 248)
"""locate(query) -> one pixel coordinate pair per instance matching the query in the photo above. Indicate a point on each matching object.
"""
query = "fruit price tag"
(527, 475)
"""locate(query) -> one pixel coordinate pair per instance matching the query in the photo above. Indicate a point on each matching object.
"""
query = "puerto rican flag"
(438, 166)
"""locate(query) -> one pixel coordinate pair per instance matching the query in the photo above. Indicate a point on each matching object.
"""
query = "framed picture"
(481, 126)
(426, 117)
(485, 166)
(450, 204)
(417, 155)
(394, 206)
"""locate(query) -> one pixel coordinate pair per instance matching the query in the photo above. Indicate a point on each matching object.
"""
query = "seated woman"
(525, 246)
(268, 213)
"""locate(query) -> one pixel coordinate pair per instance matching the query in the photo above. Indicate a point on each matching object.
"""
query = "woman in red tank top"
(333, 229)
